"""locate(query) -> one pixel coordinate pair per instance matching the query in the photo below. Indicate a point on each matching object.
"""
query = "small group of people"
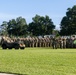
(63, 42)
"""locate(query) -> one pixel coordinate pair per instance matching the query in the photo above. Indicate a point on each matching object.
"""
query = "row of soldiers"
(54, 42)
(64, 42)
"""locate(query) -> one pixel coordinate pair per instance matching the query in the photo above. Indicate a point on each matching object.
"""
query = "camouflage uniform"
(54, 43)
(64, 43)
(61, 43)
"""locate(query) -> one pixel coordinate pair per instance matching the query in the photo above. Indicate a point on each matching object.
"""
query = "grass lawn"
(38, 61)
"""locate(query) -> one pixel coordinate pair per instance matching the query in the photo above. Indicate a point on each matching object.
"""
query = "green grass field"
(38, 61)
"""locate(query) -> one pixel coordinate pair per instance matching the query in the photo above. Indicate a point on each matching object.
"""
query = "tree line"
(40, 25)
(19, 27)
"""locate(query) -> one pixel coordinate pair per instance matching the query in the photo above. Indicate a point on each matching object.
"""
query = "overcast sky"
(55, 9)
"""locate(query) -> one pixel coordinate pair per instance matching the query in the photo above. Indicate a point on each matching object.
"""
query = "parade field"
(38, 61)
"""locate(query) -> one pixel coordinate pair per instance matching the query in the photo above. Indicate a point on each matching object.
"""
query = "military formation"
(53, 42)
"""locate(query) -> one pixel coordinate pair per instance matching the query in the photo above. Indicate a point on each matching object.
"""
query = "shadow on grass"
(13, 73)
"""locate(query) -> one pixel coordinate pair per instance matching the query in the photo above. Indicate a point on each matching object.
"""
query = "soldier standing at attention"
(61, 43)
(54, 43)
(64, 43)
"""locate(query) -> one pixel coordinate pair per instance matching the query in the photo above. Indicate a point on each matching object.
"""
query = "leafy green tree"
(41, 25)
(17, 27)
(4, 27)
(68, 23)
